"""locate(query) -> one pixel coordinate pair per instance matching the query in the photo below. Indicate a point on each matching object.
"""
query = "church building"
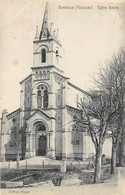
(44, 123)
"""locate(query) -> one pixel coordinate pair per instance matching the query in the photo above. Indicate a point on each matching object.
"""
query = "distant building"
(44, 124)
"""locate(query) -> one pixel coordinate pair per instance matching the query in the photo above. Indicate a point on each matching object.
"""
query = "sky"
(89, 39)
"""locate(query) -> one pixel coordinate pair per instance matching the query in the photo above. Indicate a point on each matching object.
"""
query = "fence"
(43, 164)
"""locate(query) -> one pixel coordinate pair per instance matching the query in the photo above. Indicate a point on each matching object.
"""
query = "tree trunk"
(18, 157)
(121, 153)
(97, 174)
(113, 158)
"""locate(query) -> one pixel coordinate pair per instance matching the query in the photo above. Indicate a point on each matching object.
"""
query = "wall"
(51, 46)
(74, 95)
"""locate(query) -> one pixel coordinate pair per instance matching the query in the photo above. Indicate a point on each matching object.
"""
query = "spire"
(44, 30)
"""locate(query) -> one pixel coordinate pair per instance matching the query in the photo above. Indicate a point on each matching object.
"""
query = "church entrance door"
(42, 145)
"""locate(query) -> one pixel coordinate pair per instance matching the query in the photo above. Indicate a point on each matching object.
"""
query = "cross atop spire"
(44, 30)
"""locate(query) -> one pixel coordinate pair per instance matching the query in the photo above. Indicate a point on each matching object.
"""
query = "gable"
(39, 114)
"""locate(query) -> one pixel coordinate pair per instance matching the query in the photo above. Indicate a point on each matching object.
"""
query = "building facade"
(44, 124)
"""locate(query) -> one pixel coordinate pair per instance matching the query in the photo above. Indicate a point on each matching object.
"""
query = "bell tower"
(46, 44)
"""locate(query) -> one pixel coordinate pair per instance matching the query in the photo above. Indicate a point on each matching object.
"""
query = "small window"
(40, 74)
(58, 117)
(43, 55)
(48, 74)
(15, 135)
(36, 75)
(57, 53)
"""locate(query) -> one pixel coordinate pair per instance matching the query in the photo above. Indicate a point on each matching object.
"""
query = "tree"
(97, 116)
(112, 81)
(16, 138)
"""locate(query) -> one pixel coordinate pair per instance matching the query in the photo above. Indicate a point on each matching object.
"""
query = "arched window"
(39, 99)
(75, 134)
(40, 73)
(45, 99)
(48, 74)
(43, 55)
(42, 97)
(13, 137)
(44, 74)
(36, 75)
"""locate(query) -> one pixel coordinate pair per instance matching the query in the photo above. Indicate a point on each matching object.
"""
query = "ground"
(114, 185)
(112, 188)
